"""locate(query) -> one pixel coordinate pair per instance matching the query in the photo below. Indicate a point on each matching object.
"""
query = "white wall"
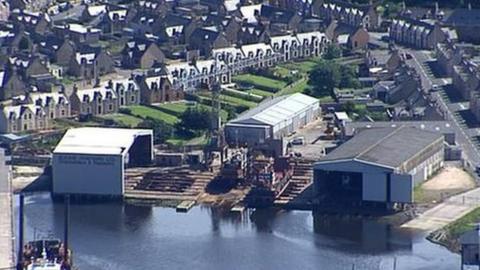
(87, 174)
(374, 187)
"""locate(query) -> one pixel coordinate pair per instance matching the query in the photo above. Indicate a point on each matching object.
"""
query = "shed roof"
(388, 147)
(276, 110)
(98, 141)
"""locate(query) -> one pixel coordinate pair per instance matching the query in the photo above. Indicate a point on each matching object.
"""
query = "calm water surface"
(117, 236)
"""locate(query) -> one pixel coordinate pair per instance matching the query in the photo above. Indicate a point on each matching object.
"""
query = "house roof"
(98, 141)
(387, 147)
(204, 35)
(444, 127)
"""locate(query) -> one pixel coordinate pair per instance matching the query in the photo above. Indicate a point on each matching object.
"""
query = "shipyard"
(214, 134)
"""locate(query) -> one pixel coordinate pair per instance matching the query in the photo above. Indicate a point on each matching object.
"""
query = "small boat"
(44, 254)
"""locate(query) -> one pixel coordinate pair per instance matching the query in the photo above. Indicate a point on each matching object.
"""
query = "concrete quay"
(6, 217)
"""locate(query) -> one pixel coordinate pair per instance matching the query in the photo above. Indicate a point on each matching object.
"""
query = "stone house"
(32, 22)
(354, 15)
(78, 33)
(115, 20)
(383, 63)
(23, 117)
(65, 53)
(55, 105)
(157, 87)
(232, 56)
(358, 39)
(11, 84)
(127, 91)
(205, 40)
(465, 78)
(95, 101)
(141, 54)
(448, 55)
(416, 33)
(90, 63)
(106, 98)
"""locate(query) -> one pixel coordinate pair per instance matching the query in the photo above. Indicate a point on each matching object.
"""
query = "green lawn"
(298, 87)
(178, 108)
(281, 71)
(246, 95)
(465, 223)
(200, 140)
(144, 112)
(303, 66)
(124, 119)
(260, 81)
(260, 92)
(230, 100)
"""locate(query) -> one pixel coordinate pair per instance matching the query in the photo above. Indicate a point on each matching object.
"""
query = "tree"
(324, 78)
(161, 130)
(348, 107)
(348, 78)
(196, 119)
(333, 51)
(328, 75)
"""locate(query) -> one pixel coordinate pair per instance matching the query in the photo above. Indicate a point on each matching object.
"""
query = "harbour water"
(118, 236)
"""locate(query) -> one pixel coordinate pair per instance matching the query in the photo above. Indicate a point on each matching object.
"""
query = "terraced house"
(419, 34)
(354, 15)
(157, 87)
(35, 111)
(106, 98)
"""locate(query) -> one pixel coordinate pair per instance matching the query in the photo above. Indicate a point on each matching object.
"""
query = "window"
(132, 99)
(29, 116)
(63, 112)
(51, 115)
(25, 126)
(110, 107)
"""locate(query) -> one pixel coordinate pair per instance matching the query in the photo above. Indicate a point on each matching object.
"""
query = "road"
(452, 110)
(6, 233)
(450, 210)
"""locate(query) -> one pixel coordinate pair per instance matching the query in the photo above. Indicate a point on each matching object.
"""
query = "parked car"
(435, 88)
(298, 141)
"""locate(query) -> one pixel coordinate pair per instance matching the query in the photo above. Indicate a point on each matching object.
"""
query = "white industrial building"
(379, 165)
(272, 120)
(92, 161)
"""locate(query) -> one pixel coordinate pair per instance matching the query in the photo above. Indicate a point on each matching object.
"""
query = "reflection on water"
(118, 236)
(366, 235)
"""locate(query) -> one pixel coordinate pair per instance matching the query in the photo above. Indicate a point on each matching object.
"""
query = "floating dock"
(184, 206)
(238, 209)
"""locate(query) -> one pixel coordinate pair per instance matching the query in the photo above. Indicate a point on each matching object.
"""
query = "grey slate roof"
(388, 147)
(443, 127)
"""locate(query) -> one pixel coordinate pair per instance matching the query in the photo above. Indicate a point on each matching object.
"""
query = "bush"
(125, 111)
(161, 130)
